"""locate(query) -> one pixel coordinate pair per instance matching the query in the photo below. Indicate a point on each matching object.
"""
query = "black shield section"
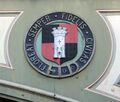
(70, 52)
(47, 36)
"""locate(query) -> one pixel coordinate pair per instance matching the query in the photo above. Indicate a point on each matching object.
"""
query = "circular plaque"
(59, 45)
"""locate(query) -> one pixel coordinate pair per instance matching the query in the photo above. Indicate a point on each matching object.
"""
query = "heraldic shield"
(59, 42)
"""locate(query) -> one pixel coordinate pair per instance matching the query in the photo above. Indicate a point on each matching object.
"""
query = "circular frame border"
(60, 76)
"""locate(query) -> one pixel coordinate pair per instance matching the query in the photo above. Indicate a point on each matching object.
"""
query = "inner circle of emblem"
(59, 45)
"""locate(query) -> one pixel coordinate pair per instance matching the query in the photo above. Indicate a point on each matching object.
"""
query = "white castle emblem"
(59, 42)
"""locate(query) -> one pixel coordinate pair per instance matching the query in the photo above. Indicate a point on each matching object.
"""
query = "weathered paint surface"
(24, 75)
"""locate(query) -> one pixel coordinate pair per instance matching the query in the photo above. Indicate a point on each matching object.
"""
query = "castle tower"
(59, 42)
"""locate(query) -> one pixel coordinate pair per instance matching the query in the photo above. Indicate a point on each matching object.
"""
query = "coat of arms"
(59, 42)
(59, 45)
